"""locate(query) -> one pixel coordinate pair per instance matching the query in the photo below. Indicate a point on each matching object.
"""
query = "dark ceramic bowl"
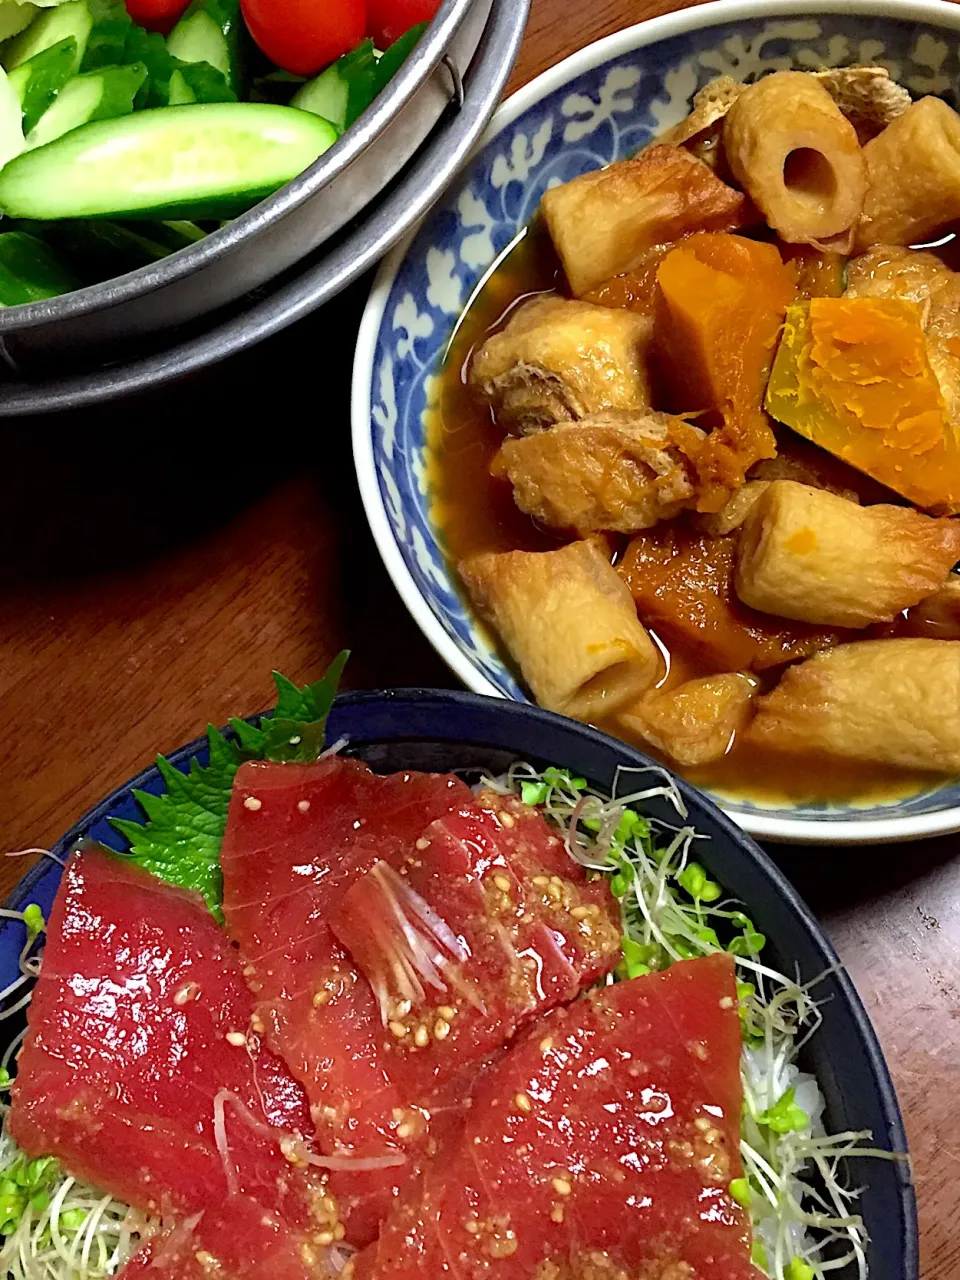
(459, 731)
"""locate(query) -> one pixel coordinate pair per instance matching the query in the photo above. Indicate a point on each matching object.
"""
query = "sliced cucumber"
(15, 17)
(202, 161)
(103, 250)
(29, 270)
(343, 92)
(98, 95)
(209, 32)
(11, 120)
(38, 81)
(71, 21)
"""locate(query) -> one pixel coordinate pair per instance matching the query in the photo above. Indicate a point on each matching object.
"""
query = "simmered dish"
(697, 459)
(324, 1022)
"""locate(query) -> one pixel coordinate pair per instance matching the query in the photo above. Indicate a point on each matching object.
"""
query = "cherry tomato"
(156, 15)
(388, 20)
(303, 36)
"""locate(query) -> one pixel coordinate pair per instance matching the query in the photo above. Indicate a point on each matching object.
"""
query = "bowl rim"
(240, 231)
(418, 705)
(765, 825)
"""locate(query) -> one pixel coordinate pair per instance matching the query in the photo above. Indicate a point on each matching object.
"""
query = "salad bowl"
(313, 283)
(280, 231)
(599, 106)
(442, 732)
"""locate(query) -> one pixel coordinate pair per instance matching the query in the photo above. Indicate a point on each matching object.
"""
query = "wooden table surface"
(158, 563)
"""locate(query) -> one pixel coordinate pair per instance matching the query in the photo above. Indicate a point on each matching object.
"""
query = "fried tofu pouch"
(695, 723)
(798, 157)
(602, 223)
(913, 174)
(558, 361)
(614, 471)
(569, 623)
(809, 555)
(891, 702)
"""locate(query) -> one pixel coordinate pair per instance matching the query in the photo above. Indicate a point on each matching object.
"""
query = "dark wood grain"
(161, 557)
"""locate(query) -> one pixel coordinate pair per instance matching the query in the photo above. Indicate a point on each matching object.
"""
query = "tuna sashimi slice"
(297, 837)
(486, 923)
(141, 1074)
(601, 1146)
(325, 868)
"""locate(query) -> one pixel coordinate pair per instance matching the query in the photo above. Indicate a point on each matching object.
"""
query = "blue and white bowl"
(600, 105)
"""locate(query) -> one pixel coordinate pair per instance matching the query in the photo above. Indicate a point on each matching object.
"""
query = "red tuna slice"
(297, 837)
(601, 1146)
(475, 934)
(139, 1056)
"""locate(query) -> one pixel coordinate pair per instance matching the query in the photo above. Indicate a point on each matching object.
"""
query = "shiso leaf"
(180, 840)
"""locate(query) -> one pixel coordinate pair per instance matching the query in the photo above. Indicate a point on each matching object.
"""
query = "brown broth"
(473, 513)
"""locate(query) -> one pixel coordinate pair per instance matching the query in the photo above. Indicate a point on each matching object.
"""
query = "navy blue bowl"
(442, 731)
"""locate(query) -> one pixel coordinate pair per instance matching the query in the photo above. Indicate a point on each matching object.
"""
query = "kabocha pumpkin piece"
(603, 222)
(635, 290)
(913, 172)
(892, 702)
(913, 275)
(558, 361)
(682, 583)
(614, 471)
(812, 556)
(853, 376)
(697, 722)
(722, 301)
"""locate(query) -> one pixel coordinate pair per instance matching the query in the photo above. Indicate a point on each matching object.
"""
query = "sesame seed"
(441, 1029)
(236, 1038)
(252, 803)
(303, 806)
(398, 1030)
(503, 883)
(422, 1037)
(727, 1002)
(561, 1186)
(422, 843)
(523, 1103)
(295, 740)
(447, 1011)
(507, 819)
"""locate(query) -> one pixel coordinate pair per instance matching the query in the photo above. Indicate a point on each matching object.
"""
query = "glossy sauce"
(474, 513)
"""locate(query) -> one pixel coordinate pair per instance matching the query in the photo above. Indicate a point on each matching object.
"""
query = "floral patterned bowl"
(600, 105)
